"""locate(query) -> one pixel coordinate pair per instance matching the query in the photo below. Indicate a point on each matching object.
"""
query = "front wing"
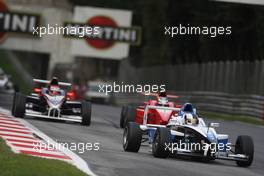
(73, 118)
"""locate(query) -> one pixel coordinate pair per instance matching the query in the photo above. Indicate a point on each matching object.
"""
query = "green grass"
(246, 119)
(12, 164)
(7, 66)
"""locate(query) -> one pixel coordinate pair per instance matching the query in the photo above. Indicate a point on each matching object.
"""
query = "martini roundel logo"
(101, 21)
(110, 32)
(3, 6)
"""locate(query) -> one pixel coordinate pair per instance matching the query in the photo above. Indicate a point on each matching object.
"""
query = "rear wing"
(47, 82)
(145, 117)
(157, 95)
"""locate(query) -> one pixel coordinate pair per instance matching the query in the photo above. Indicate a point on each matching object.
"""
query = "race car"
(50, 100)
(94, 94)
(187, 135)
(156, 116)
(6, 85)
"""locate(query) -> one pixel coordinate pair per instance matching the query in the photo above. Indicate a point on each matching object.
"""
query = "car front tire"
(19, 105)
(132, 137)
(122, 116)
(130, 115)
(86, 113)
(245, 145)
(162, 139)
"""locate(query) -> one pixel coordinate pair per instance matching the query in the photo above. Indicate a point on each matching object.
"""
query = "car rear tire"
(13, 103)
(162, 139)
(122, 116)
(19, 105)
(132, 137)
(245, 145)
(86, 113)
(130, 115)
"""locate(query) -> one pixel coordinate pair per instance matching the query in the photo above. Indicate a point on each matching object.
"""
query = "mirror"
(194, 110)
(214, 125)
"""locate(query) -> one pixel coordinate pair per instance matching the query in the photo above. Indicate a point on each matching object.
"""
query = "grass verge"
(25, 165)
(246, 119)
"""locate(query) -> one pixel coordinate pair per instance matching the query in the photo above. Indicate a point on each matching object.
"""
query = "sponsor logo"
(109, 32)
(16, 22)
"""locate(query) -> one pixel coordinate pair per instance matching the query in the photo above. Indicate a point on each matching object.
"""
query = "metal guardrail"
(203, 84)
(248, 105)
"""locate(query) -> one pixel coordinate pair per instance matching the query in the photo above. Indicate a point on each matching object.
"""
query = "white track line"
(78, 161)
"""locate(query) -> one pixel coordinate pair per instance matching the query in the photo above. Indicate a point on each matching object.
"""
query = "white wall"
(52, 12)
(256, 2)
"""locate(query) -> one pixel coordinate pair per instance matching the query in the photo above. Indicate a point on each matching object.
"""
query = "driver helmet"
(162, 99)
(188, 107)
(53, 87)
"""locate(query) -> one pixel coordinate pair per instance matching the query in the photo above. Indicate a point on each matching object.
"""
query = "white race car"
(187, 135)
(6, 86)
(52, 102)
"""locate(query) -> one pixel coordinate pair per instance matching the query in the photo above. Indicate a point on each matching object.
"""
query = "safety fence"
(234, 77)
(232, 87)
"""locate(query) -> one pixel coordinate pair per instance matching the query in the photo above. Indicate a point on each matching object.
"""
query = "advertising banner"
(115, 33)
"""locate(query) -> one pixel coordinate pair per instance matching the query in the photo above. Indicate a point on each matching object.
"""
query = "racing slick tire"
(86, 112)
(19, 105)
(13, 103)
(132, 137)
(244, 145)
(130, 115)
(162, 139)
(207, 158)
(122, 116)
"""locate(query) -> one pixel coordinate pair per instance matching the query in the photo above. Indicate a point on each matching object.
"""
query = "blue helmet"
(187, 108)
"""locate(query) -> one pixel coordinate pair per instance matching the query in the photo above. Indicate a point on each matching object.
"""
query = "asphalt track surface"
(112, 160)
